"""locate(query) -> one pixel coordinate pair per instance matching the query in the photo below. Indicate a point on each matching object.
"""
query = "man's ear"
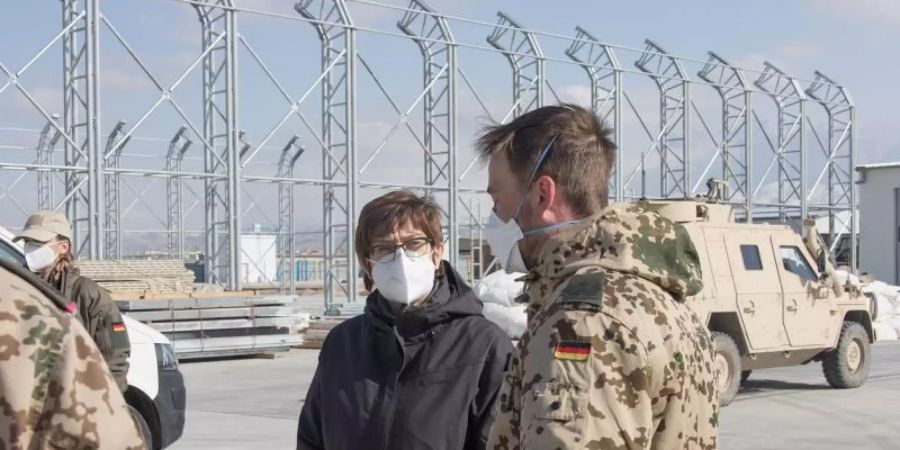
(64, 247)
(547, 192)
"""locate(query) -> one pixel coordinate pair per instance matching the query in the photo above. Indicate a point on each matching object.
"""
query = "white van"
(156, 393)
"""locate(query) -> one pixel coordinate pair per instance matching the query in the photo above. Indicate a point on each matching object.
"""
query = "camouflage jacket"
(100, 316)
(612, 358)
(55, 388)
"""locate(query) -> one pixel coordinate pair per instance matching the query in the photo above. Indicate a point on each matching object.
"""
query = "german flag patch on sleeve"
(572, 350)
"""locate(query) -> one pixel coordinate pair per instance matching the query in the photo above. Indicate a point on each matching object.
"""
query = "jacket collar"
(628, 238)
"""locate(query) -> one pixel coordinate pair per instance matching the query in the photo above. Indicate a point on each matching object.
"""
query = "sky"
(850, 41)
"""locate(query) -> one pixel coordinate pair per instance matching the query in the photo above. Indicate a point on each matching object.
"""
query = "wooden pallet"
(318, 330)
(138, 276)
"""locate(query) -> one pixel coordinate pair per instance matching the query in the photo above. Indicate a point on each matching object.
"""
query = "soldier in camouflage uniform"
(55, 388)
(48, 252)
(612, 358)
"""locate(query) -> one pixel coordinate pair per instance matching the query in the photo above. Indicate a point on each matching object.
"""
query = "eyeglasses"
(413, 248)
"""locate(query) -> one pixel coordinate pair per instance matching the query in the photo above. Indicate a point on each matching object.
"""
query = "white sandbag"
(884, 331)
(891, 293)
(499, 288)
(511, 319)
(884, 310)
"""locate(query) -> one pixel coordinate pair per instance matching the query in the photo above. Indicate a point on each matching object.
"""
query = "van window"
(752, 261)
(9, 253)
(794, 262)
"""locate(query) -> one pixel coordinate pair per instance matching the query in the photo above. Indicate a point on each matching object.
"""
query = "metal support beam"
(80, 123)
(674, 101)
(736, 144)
(220, 131)
(113, 238)
(286, 251)
(338, 36)
(178, 146)
(433, 37)
(527, 61)
(604, 71)
(840, 157)
(791, 144)
(45, 148)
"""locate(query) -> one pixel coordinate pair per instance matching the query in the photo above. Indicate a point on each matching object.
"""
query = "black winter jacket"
(426, 379)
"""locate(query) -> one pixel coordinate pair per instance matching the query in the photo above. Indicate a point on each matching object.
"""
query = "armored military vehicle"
(771, 298)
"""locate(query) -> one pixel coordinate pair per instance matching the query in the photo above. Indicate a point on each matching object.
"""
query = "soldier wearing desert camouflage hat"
(612, 357)
(56, 391)
(48, 252)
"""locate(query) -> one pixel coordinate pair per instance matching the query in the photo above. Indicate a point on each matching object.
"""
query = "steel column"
(602, 67)
(286, 249)
(735, 146)
(527, 61)
(338, 36)
(839, 155)
(791, 152)
(220, 132)
(178, 146)
(674, 101)
(433, 37)
(77, 120)
(46, 143)
(113, 219)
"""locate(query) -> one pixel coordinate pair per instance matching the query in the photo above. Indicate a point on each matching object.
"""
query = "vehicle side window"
(752, 261)
(9, 253)
(794, 262)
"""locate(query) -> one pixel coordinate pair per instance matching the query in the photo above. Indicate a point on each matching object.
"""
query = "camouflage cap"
(44, 226)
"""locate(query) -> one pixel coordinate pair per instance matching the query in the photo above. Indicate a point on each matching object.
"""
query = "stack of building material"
(202, 327)
(319, 327)
(139, 277)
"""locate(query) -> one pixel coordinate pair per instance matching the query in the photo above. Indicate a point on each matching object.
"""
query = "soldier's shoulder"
(583, 291)
(84, 283)
(24, 292)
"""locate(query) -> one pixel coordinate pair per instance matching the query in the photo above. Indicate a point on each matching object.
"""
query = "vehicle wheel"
(728, 367)
(143, 427)
(745, 374)
(847, 366)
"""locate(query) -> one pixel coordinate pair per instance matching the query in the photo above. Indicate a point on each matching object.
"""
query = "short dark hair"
(581, 159)
(393, 210)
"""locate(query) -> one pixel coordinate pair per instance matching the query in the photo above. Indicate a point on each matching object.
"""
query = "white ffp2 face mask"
(39, 256)
(404, 280)
(504, 237)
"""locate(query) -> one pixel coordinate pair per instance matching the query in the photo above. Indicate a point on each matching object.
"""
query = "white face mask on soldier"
(39, 256)
(406, 279)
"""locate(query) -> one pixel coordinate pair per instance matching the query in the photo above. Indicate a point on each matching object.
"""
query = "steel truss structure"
(97, 187)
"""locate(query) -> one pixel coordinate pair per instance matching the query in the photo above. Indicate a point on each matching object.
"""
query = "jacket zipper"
(390, 421)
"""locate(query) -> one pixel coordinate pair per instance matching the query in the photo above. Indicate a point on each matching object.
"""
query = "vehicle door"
(808, 315)
(758, 295)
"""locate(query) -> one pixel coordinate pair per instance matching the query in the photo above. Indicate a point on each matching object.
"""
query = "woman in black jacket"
(422, 367)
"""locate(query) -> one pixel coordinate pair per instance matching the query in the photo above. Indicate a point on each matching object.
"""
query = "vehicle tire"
(745, 374)
(847, 366)
(143, 427)
(728, 367)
